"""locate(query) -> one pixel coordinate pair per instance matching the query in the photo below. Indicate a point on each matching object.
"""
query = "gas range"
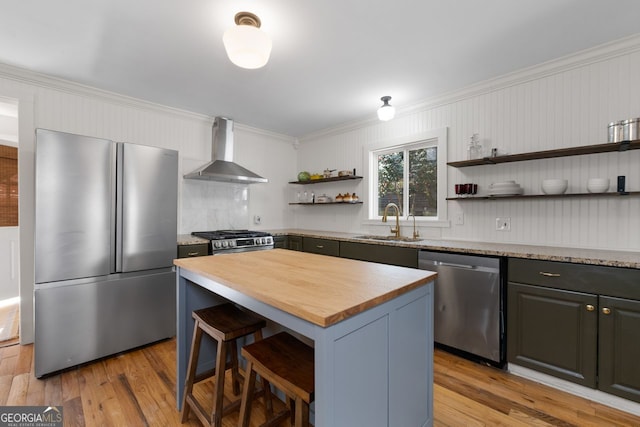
(232, 241)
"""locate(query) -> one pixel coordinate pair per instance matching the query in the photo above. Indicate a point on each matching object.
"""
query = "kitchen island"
(371, 326)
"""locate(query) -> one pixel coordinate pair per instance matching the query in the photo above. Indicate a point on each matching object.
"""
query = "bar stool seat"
(224, 323)
(288, 364)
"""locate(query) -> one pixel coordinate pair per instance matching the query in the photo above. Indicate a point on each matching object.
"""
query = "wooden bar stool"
(288, 364)
(224, 323)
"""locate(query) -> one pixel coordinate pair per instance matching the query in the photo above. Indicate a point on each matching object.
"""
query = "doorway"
(9, 227)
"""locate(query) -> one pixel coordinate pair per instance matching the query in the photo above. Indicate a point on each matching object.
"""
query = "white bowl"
(597, 185)
(554, 186)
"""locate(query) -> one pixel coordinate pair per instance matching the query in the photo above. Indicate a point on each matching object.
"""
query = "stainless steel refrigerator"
(105, 239)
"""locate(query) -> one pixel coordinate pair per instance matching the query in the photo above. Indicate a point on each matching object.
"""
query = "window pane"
(390, 180)
(423, 182)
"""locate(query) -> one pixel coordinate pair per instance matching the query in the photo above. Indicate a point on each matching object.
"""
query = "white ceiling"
(331, 60)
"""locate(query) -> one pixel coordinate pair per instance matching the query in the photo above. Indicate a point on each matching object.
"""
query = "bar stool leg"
(302, 413)
(221, 363)
(247, 395)
(268, 402)
(235, 377)
(191, 370)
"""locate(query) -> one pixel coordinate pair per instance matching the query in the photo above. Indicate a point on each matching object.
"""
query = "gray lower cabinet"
(580, 323)
(392, 255)
(321, 246)
(198, 249)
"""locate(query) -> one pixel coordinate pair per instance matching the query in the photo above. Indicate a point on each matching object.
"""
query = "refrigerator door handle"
(118, 207)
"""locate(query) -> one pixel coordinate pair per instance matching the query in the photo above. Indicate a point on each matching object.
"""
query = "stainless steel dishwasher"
(468, 303)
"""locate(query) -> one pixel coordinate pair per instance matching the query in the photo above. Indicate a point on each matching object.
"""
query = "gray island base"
(373, 350)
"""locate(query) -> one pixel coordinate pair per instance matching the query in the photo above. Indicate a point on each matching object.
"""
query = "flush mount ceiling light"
(246, 44)
(386, 112)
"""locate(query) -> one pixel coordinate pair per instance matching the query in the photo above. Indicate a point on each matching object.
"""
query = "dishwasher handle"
(454, 265)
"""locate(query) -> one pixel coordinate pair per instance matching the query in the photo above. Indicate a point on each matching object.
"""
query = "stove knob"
(264, 241)
(232, 243)
(225, 244)
(217, 245)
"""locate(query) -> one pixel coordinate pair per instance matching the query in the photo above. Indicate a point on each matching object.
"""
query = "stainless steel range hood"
(222, 168)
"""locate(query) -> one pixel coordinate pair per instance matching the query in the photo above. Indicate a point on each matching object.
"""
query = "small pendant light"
(386, 112)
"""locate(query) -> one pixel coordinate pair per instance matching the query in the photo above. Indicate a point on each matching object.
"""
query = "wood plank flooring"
(138, 389)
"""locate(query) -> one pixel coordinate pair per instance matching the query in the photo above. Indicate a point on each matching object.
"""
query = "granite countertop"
(609, 258)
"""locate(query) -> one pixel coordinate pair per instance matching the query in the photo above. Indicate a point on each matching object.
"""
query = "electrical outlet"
(459, 218)
(503, 224)
(257, 219)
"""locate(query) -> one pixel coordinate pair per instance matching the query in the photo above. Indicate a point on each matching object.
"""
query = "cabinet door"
(553, 331)
(321, 246)
(295, 243)
(280, 242)
(619, 347)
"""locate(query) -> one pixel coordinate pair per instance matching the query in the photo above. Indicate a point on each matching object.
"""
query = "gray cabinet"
(392, 255)
(577, 322)
(321, 246)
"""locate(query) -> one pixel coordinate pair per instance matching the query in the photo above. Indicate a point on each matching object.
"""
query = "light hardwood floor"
(137, 388)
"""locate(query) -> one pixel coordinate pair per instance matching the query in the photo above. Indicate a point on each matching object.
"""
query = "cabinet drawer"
(596, 279)
(392, 255)
(321, 246)
(186, 251)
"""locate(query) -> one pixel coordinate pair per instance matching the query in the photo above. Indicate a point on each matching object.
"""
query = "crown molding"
(572, 61)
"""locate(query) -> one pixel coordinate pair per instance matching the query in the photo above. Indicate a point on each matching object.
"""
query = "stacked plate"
(505, 188)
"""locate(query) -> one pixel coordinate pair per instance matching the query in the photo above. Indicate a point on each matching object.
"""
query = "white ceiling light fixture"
(246, 44)
(386, 112)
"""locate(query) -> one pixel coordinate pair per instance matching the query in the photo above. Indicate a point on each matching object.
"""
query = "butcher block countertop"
(320, 289)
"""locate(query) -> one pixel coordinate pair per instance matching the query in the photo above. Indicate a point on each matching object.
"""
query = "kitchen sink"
(389, 238)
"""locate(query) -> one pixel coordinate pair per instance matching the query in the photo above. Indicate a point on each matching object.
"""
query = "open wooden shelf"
(321, 204)
(548, 154)
(546, 196)
(332, 179)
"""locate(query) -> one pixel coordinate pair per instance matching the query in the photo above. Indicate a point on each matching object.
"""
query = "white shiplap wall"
(50, 103)
(565, 103)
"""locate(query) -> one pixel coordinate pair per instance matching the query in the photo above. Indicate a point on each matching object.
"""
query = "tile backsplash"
(210, 205)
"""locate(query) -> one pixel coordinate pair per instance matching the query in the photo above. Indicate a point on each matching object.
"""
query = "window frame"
(432, 138)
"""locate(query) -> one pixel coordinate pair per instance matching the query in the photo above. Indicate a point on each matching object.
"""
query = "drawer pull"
(590, 307)
(606, 310)
(319, 246)
(544, 273)
(193, 254)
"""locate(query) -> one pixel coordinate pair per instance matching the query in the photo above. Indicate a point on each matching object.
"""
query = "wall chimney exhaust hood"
(222, 168)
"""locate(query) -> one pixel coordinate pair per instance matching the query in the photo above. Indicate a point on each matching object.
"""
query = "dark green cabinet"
(198, 249)
(619, 347)
(392, 255)
(280, 242)
(321, 246)
(294, 243)
(580, 323)
(553, 331)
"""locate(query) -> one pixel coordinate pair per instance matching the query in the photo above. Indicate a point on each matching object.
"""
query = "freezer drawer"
(82, 322)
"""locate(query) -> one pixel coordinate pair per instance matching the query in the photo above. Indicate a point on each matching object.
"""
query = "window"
(412, 175)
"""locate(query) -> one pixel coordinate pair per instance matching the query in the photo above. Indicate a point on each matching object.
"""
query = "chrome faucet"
(416, 233)
(395, 231)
